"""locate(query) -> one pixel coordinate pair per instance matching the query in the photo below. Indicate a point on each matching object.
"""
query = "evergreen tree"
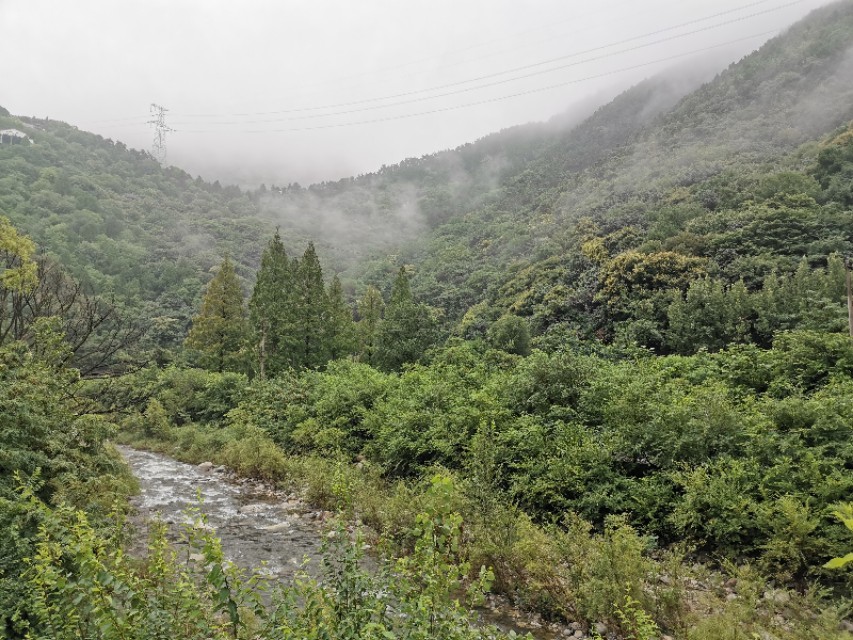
(311, 345)
(407, 331)
(370, 309)
(272, 310)
(219, 332)
(340, 338)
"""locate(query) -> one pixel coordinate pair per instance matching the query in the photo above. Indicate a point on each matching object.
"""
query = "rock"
(777, 596)
(249, 509)
(578, 634)
(600, 628)
(665, 579)
(846, 625)
(731, 597)
(207, 467)
(731, 583)
(281, 526)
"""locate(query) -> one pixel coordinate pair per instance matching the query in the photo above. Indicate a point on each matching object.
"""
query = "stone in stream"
(252, 509)
(206, 467)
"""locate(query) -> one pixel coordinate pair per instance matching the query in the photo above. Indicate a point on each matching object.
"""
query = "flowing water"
(258, 526)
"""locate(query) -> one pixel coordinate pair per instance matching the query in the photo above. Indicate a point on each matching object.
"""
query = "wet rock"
(281, 526)
(252, 509)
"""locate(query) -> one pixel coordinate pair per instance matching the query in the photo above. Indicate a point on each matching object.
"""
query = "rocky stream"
(260, 526)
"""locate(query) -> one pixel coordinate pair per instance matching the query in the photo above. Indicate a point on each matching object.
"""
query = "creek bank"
(258, 525)
(261, 526)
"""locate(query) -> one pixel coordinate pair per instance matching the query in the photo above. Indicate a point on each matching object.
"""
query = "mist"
(279, 93)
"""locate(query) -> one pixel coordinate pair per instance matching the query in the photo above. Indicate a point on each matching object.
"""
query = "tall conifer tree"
(219, 332)
(311, 308)
(370, 309)
(341, 339)
(272, 310)
(407, 330)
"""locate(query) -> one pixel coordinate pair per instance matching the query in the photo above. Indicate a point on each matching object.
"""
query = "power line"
(352, 77)
(516, 69)
(497, 82)
(499, 98)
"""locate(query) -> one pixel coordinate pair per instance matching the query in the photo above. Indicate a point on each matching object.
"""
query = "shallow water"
(258, 527)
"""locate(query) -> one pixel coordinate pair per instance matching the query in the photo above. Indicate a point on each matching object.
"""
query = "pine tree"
(370, 309)
(311, 306)
(272, 310)
(219, 332)
(340, 334)
(407, 331)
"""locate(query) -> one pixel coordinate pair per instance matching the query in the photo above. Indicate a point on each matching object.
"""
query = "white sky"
(298, 90)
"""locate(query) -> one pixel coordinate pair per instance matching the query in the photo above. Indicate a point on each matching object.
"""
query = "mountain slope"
(796, 87)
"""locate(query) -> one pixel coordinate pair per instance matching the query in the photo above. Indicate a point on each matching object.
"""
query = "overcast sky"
(306, 90)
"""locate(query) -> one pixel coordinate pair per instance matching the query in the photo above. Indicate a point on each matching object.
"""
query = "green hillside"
(605, 358)
(705, 157)
(121, 224)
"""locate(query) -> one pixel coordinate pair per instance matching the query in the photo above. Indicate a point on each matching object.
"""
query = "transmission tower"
(158, 121)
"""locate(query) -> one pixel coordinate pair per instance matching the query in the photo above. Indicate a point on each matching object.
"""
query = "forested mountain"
(476, 221)
(123, 226)
(613, 345)
(652, 181)
(512, 200)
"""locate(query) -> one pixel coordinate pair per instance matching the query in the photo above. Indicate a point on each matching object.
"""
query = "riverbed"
(260, 527)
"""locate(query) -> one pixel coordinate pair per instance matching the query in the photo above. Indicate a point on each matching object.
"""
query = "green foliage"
(271, 309)
(311, 344)
(510, 334)
(53, 449)
(16, 261)
(83, 586)
(340, 329)
(845, 514)
(407, 330)
(219, 332)
(604, 568)
(636, 624)
(371, 307)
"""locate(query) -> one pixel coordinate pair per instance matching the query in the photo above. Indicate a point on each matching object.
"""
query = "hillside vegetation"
(605, 359)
